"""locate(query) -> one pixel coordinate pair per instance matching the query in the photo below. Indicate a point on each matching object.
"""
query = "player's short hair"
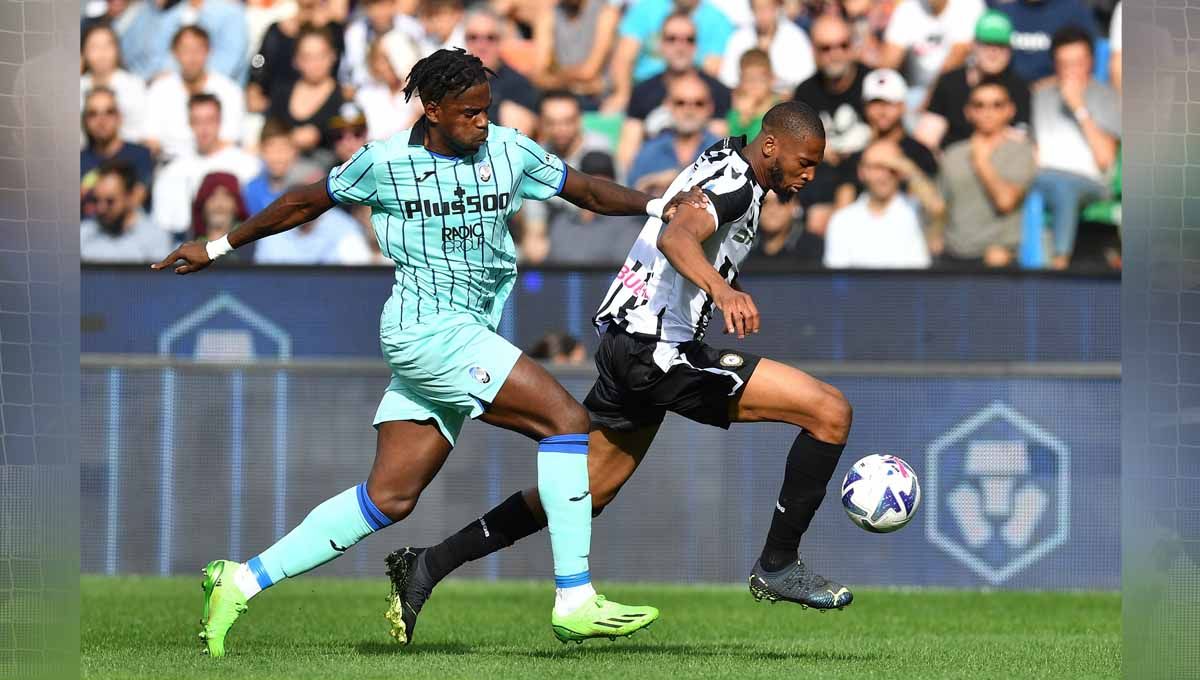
(447, 72)
(122, 170)
(562, 95)
(794, 118)
(194, 30)
(755, 57)
(274, 127)
(1069, 35)
(203, 98)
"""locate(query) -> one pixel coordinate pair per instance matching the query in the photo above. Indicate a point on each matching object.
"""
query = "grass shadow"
(376, 648)
(747, 652)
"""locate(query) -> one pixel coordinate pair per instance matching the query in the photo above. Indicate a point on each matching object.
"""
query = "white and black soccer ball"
(881, 493)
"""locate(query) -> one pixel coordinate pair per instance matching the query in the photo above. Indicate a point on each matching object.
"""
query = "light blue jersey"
(444, 220)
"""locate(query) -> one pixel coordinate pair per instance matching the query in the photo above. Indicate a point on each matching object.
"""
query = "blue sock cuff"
(260, 573)
(580, 579)
(375, 519)
(564, 443)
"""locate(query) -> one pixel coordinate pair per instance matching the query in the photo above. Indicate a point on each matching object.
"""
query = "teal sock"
(328, 531)
(563, 488)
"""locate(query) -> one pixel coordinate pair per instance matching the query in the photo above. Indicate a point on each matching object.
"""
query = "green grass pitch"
(326, 628)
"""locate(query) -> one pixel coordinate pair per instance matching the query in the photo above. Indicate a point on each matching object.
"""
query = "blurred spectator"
(753, 96)
(581, 237)
(102, 67)
(836, 94)
(441, 26)
(223, 20)
(325, 240)
(560, 349)
(274, 63)
(1077, 127)
(133, 20)
(282, 166)
(884, 93)
(176, 185)
(780, 232)
(788, 46)
(945, 122)
(167, 130)
(377, 19)
(218, 209)
(880, 230)
(308, 103)
(101, 124)
(348, 130)
(661, 158)
(260, 16)
(926, 38)
(984, 180)
(868, 20)
(561, 133)
(120, 231)
(513, 99)
(1034, 23)
(836, 90)
(643, 35)
(648, 115)
(1114, 49)
(382, 98)
(574, 42)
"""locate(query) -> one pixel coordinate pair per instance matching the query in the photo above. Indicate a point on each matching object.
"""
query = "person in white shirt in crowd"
(334, 238)
(120, 231)
(882, 229)
(382, 99)
(176, 185)
(441, 24)
(134, 21)
(375, 19)
(1077, 128)
(925, 38)
(786, 43)
(102, 67)
(562, 134)
(168, 133)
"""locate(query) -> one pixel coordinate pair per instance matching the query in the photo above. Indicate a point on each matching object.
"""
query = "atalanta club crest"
(731, 360)
(480, 373)
(485, 173)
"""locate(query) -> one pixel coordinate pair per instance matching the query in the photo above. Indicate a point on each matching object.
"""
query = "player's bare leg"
(408, 455)
(612, 459)
(780, 393)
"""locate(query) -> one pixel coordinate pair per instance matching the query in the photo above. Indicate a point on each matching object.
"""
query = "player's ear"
(768, 146)
(433, 112)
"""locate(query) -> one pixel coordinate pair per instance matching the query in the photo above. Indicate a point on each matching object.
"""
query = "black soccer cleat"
(411, 587)
(797, 583)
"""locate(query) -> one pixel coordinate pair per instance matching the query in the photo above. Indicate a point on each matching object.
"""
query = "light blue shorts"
(448, 368)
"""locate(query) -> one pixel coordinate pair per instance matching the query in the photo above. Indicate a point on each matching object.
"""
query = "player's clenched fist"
(192, 252)
(741, 316)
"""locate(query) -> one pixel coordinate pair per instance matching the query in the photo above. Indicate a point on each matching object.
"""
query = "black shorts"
(632, 390)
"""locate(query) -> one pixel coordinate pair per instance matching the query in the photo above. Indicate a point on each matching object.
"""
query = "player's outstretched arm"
(681, 242)
(294, 208)
(609, 198)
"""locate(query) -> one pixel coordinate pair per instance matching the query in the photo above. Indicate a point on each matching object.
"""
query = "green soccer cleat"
(601, 618)
(223, 604)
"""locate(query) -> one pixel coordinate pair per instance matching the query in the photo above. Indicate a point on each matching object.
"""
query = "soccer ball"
(881, 493)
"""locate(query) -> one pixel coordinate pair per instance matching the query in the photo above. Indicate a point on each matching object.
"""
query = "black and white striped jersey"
(649, 298)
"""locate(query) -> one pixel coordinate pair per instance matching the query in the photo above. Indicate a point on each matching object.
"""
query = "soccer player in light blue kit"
(441, 195)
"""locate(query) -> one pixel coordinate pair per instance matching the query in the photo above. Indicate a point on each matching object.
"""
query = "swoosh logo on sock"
(337, 547)
(579, 498)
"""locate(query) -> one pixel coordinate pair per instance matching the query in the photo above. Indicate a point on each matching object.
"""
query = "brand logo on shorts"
(480, 373)
(731, 360)
(485, 172)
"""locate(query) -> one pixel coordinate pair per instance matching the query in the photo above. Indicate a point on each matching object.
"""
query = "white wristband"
(218, 248)
(654, 207)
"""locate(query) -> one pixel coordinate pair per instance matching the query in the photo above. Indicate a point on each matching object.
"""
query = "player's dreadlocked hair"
(445, 72)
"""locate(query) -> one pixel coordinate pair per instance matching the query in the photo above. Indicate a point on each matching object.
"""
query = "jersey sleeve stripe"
(546, 184)
(329, 189)
(562, 181)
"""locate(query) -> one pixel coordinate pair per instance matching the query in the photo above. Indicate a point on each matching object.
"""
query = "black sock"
(810, 465)
(502, 526)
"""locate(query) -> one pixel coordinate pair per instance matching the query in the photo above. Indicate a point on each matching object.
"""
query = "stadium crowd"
(959, 134)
